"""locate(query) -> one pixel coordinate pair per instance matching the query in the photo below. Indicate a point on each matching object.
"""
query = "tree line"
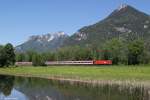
(119, 51)
(127, 52)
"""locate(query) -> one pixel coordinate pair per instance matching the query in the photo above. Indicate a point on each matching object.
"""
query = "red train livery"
(102, 62)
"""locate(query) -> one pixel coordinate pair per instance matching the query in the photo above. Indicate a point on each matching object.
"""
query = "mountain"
(41, 43)
(125, 22)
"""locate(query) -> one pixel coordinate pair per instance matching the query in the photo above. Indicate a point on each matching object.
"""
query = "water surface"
(22, 88)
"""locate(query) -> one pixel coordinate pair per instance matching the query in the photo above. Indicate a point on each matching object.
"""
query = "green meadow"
(129, 73)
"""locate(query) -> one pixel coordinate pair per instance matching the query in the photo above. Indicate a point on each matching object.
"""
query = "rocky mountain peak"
(122, 6)
(42, 43)
(47, 37)
(126, 10)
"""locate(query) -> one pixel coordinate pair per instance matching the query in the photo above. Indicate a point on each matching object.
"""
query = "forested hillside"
(126, 23)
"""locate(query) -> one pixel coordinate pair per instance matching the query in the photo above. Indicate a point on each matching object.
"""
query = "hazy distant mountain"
(41, 43)
(125, 22)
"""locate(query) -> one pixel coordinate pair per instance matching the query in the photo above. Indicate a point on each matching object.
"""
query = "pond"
(22, 88)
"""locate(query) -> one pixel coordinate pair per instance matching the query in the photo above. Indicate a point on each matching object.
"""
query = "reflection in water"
(42, 89)
(6, 84)
(15, 95)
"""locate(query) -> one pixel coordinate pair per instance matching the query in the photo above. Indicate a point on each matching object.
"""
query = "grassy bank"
(118, 73)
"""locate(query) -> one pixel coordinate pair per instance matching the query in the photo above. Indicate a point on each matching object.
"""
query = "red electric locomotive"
(102, 62)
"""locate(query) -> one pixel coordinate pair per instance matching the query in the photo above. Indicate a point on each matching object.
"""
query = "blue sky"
(20, 19)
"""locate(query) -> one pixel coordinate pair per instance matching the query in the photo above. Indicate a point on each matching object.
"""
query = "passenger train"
(89, 62)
